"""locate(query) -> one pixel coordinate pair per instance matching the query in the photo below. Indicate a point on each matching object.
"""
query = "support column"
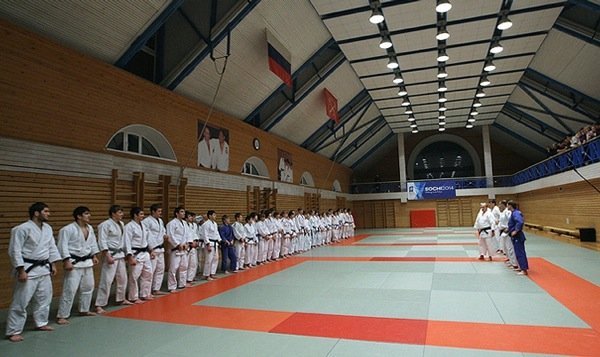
(401, 161)
(487, 156)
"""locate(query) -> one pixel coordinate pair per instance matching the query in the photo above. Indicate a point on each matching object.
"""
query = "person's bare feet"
(100, 310)
(87, 313)
(125, 302)
(158, 292)
(45, 328)
(15, 338)
(62, 321)
(138, 302)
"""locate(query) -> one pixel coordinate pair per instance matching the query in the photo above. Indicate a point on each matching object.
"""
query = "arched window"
(336, 186)
(255, 167)
(142, 140)
(307, 180)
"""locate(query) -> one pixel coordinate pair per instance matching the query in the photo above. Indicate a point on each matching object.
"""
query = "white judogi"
(485, 220)
(73, 244)
(205, 152)
(288, 231)
(352, 224)
(177, 230)
(210, 233)
(506, 241)
(193, 237)
(220, 157)
(251, 246)
(111, 240)
(155, 228)
(239, 233)
(138, 241)
(263, 232)
(272, 227)
(29, 241)
(497, 239)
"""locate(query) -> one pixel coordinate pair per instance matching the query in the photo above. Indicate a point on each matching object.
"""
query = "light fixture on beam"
(376, 15)
(398, 78)
(504, 23)
(442, 122)
(442, 87)
(392, 63)
(442, 73)
(480, 93)
(441, 116)
(474, 112)
(402, 92)
(484, 82)
(442, 108)
(469, 126)
(477, 103)
(413, 125)
(489, 66)
(408, 110)
(443, 6)
(442, 56)
(405, 103)
(386, 42)
(496, 47)
(411, 118)
(471, 120)
(442, 34)
(442, 98)
(441, 128)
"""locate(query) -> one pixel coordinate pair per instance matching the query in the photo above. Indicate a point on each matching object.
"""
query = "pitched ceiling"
(545, 85)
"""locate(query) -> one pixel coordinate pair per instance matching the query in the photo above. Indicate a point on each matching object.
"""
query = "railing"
(583, 155)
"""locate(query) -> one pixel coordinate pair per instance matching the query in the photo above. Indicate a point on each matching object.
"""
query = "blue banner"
(431, 190)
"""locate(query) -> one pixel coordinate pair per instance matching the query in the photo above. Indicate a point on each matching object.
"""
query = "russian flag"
(279, 59)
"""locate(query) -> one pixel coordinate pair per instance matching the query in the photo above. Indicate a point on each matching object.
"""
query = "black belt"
(160, 246)
(78, 259)
(116, 251)
(137, 251)
(486, 229)
(37, 263)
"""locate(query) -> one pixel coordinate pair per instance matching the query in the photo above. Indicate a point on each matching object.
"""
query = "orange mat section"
(355, 328)
(578, 295)
(409, 244)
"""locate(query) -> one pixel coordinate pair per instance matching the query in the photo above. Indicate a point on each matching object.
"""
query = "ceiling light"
(474, 112)
(489, 66)
(413, 125)
(496, 47)
(484, 81)
(405, 103)
(441, 116)
(398, 78)
(442, 34)
(480, 93)
(477, 103)
(411, 118)
(415, 130)
(442, 56)
(442, 108)
(408, 110)
(469, 126)
(441, 128)
(442, 73)
(471, 120)
(442, 87)
(504, 23)
(442, 122)
(402, 92)
(443, 6)
(442, 98)
(385, 42)
(392, 63)
(376, 15)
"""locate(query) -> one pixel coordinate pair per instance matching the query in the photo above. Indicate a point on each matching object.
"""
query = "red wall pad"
(422, 218)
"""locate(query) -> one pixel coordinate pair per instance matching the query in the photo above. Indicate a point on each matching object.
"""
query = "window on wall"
(307, 180)
(443, 159)
(141, 140)
(255, 167)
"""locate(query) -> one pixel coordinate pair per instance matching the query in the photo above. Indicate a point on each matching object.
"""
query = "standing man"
(192, 245)
(113, 248)
(177, 232)
(142, 270)
(483, 224)
(515, 229)
(157, 236)
(239, 233)
(78, 248)
(32, 253)
(210, 233)
(507, 245)
(251, 239)
(227, 241)
(496, 213)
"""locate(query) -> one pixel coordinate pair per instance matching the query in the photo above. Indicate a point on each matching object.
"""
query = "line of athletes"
(141, 245)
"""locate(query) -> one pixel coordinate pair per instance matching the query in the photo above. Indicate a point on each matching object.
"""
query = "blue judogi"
(515, 224)
(226, 233)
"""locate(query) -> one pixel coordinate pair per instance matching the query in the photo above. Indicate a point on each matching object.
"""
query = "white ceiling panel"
(101, 29)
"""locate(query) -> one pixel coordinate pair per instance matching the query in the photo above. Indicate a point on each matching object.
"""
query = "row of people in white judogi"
(492, 231)
(141, 245)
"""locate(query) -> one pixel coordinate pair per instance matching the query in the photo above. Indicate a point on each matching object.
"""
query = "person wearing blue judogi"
(515, 229)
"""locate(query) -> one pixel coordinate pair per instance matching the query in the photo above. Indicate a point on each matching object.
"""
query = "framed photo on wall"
(213, 147)
(285, 172)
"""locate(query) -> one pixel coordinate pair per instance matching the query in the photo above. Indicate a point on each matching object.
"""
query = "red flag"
(331, 106)
(279, 59)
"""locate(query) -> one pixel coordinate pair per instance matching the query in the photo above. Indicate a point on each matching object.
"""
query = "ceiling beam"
(372, 150)
(359, 141)
(521, 138)
(533, 123)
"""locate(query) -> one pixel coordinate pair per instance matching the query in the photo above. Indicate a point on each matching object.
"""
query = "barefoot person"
(32, 253)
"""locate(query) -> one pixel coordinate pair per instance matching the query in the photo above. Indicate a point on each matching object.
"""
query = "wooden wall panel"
(200, 200)
(46, 88)
(568, 206)
(288, 202)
